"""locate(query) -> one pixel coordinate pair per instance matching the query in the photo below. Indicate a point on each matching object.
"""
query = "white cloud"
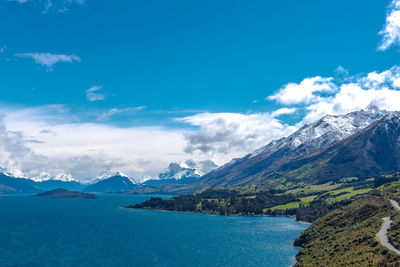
(48, 59)
(36, 142)
(48, 6)
(19, 1)
(340, 70)
(232, 133)
(41, 141)
(114, 111)
(391, 31)
(93, 94)
(305, 92)
(283, 111)
(358, 92)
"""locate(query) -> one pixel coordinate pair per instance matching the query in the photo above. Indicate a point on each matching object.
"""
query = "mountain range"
(361, 143)
(175, 173)
(182, 173)
(308, 140)
(13, 185)
(117, 183)
(358, 144)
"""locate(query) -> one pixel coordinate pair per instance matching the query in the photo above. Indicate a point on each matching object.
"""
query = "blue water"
(37, 231)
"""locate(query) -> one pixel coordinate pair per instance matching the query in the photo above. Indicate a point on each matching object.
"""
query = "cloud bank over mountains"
(41, 141)
(232, 133)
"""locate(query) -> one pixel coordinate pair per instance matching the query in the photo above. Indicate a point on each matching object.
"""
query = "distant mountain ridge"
(187, 169)
(114, 184)
(61, 175)
(361, 143)
(13, 185)
(183, 172)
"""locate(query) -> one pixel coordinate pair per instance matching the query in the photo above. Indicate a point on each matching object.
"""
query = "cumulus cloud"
(48, 59)
(305, 92)
(357, 92)
(232, 132)
(283, 111)
(12, 148)
(391, 31)
(93, 94)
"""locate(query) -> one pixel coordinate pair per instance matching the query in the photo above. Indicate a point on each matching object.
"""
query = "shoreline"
(211, 213)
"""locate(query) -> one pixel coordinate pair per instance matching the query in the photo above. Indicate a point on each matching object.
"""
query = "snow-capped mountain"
(5, 172)
(327, 130)
(61, 175)
(10, 184)
(181, 173)
(117, 183)
(309, 139)
(105, 175)
(188, 169)
(44, 182)
(63, 179)
(12, 173)
(64, 176)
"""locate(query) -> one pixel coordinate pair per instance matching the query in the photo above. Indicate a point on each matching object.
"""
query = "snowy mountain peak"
(64, 177)
(5, 172)
(106, 175)
(12, 173)
(373, 109)
(187, 169)
(118, 173)
(327, 130)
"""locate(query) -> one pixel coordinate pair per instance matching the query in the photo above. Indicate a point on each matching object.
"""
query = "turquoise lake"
(37, 231)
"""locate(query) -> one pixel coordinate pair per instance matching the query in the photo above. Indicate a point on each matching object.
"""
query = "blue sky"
(185, 55)
(194, 69)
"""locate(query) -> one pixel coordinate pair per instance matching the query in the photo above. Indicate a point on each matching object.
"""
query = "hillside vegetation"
(347, 235)
(306, 201)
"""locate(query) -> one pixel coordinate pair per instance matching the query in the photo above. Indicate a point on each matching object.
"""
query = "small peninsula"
(64, 193)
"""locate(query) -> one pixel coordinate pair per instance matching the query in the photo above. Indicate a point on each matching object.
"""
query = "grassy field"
(331, 196)
(290, 205)
(304, 201)
(310, 189)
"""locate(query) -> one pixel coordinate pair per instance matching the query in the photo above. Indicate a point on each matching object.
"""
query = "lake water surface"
(37, 231)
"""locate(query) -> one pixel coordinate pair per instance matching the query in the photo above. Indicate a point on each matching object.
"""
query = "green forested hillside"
(347, 235)
(306, 201)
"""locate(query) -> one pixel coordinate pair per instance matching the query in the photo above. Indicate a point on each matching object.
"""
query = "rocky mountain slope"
(372, 151)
